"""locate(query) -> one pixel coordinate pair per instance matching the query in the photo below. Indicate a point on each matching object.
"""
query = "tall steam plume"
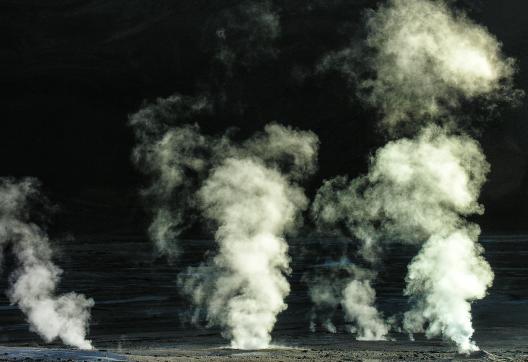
(253, 206)
(247, 191)
(425, 62)
(33, 284)
(253, 197)
(419, 190)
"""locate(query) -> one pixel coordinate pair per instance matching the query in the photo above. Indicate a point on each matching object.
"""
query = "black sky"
(72, 71)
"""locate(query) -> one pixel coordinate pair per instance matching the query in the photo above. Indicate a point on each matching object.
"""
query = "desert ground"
(139, 314)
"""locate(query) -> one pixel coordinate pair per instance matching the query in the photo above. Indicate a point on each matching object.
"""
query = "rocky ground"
(310, 354)
(361, 351)
(139, 314)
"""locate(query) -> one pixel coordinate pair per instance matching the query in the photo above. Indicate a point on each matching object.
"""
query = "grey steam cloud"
(34, 282)
(174, 158)
(424, 59)
(248, 191)
(349, 286)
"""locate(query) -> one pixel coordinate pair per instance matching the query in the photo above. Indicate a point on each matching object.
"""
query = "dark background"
(72, 71)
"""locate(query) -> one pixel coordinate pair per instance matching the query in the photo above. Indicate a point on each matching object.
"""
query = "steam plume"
(419, 190)
(174, 154)
(248, 190)
(325, 294)
(358, 304)
(425, 61)
(252, 196)
(347, 285)
(34, 282)
(443, 279)
(253, 206)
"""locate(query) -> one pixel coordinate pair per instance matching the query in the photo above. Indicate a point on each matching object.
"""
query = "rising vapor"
(249, 191)
(347, 285)
(34, 282)
(424, 61)
(174, 154)
(253, 197)
(415, 188)
(419, 190)
(253, 206)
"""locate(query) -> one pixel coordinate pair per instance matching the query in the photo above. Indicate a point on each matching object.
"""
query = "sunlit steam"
(443, 279)
(419, 190)
(173, 157)
(253, 206)
(248, 191)
(424, 60)
(34, 282)
(427, 59)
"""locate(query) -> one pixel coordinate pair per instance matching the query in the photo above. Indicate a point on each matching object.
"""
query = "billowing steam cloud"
(34, 282)
(248, 191)
(415, 188)
(425, 61)
(428, 58)
(253, 206)
(252, 195)
(178, 157)
(419, 190)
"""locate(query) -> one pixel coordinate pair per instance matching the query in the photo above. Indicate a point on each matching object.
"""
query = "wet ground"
(140, 316)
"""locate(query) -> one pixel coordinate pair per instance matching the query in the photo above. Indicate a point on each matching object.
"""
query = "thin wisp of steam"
(33, 284)
(173, 154)
(358, 304)
(347, 285)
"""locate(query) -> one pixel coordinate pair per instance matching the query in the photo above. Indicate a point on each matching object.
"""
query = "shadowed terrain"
(138, 309)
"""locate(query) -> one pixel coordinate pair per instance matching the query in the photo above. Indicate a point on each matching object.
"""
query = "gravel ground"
(321, 355)
(363, 351)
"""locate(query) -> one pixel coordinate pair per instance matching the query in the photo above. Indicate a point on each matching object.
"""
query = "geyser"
(34, 282)
(420, 62)
(247, 191)
(252, 195)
